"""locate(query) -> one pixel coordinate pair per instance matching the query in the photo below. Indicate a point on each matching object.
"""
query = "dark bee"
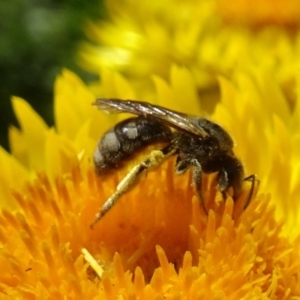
(198, 143)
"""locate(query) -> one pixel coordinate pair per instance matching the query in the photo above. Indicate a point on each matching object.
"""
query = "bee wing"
(172, 118)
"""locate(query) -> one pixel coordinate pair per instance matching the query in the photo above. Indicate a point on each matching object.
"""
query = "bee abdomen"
(125, 139)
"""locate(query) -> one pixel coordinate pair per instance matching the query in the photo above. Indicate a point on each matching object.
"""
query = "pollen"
(157, 241)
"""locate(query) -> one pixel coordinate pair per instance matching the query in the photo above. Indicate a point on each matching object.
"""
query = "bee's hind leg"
(197, 181)
(155, 158)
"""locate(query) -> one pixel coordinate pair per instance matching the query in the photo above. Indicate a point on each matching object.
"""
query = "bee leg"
(155, 158)
(223, 183)
(197, 181)
(253, 179)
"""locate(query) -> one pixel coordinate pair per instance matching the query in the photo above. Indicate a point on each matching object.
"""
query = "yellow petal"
(34, 129)
(18, 145)
(12, 176)
(72, 104)
(60, 154)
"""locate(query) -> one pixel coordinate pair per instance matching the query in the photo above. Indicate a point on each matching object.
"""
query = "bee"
(198, 143)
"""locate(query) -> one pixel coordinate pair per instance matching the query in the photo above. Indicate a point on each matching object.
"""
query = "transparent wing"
(172, 118)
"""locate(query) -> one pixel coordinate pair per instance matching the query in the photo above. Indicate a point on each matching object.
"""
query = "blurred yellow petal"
(207, 37)
(71, 104)
(18, 146)
(12, 176)
(60, 154)
(114, 85)
(261, 13)
(182, 88)
(34, 129)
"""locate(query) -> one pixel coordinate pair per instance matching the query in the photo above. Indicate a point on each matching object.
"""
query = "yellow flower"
(156, 242)
(207, 37)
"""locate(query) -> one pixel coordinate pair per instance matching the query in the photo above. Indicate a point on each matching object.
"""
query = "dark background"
(37, 39)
